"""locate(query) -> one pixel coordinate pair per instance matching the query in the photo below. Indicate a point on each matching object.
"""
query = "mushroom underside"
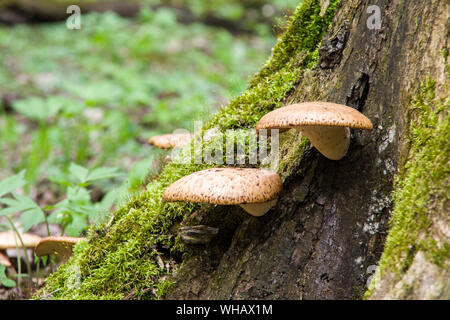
(62, 250)
(332, 142)
(260, 208)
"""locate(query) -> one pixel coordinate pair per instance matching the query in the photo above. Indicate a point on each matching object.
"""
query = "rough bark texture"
(328, 229)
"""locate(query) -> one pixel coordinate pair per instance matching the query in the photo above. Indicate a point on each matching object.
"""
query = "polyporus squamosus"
(325, 124)
(255, 190)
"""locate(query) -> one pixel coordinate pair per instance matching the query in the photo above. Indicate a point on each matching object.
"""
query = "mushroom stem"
(258, 209)
(332, 142)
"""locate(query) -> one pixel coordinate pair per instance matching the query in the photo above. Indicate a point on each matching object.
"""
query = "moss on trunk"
(418, 223)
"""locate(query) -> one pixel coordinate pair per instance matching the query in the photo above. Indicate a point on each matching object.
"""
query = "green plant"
(31, 214)
(76, 211)
(73, 214)
(94, 98)
(4, 280)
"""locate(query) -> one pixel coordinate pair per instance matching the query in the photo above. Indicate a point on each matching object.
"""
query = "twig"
(49, 295)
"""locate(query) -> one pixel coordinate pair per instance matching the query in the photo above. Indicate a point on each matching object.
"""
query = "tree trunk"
(326, 236)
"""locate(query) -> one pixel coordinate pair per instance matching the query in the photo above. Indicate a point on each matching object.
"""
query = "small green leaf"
(9, 283)
(17, 204)
(12, 183)
(4, 280)
(103, 173)
(14, 209)
(110, 198)
(79, 172)
(8, 201)
(38, 108)
(31, 218)
(138, 173)
(24, 200)
(79, 195)
(61, 181)
(31, 215)
(77, 225)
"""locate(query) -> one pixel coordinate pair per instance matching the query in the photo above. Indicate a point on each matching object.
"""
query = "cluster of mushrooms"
(326, 125)
(60, 246)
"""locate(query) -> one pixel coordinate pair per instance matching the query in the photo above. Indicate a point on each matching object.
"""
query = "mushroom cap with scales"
(61, 246)
(316, 113)
(170, 140)
(325, 124)
(253, 189)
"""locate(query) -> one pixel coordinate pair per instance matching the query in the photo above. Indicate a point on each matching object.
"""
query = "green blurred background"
(93, 96)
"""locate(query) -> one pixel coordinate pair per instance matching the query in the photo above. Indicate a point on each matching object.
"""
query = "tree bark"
(326, 235)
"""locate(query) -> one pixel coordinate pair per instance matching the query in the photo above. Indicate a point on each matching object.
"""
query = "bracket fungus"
(60, 246)
(325, 124)
(255, 190)
(169, 141)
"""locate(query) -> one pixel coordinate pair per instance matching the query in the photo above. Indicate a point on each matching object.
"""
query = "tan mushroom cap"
(325, 124)
(229, 186)
(61, 246)
(9, 240)
(168, 141)
(316, 113)
(226, 186)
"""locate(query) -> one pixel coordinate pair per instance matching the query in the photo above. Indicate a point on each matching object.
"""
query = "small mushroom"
(325, 124)
(60, 246)
(4, 260)
(255, 190)
(168, 141)
(9, 240)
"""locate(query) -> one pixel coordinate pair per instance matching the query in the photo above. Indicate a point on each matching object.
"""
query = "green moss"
(295, 51)
(290, 156)
(120, 260)
(299, 44)
(421, 188)
(445, 54)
